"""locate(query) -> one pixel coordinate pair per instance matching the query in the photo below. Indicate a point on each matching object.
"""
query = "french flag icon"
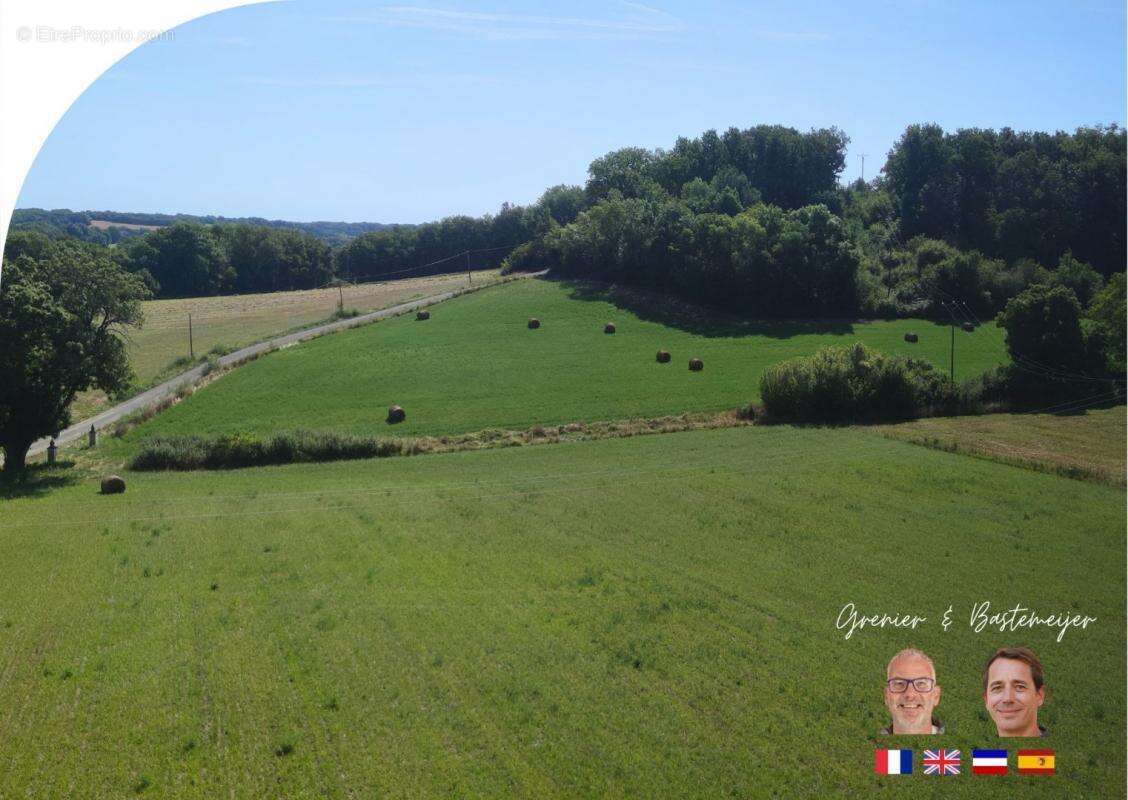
(892, 762)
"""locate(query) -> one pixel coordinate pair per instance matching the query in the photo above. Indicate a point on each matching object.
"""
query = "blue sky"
(405, 113)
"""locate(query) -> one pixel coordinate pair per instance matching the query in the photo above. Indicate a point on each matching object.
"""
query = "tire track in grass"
(149, 501)
(689, 711)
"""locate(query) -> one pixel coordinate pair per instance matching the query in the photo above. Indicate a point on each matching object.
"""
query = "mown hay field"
(644, 617)
(1079, 441)
(234, 321)
(476, 364)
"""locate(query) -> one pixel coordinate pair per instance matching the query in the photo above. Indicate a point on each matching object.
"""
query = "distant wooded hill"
(107, 227)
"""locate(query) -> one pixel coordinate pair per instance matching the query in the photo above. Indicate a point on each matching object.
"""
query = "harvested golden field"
(105, 224)
(1084, 444)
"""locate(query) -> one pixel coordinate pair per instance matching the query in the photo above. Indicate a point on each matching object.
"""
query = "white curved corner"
(51, 51)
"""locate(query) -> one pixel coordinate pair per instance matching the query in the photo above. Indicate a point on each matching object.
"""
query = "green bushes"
(839, 384)
(246, 450)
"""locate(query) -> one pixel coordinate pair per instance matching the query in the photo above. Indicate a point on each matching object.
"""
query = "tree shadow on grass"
(672, 312)
(38, 479)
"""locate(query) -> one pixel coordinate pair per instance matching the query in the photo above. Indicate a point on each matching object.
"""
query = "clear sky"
(406, 113)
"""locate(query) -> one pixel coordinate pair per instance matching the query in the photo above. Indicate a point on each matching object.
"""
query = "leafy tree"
(30, 243)
(272, 259)
(186, 259)
(1109, 314)
(1043, 329)
(630, 171)
(921, 173)
(563, 203)
(60, 319)
(1078, 276)
(964, 276)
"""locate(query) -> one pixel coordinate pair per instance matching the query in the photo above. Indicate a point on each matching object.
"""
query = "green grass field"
(645, 617)
(475, 365)
(233, 321)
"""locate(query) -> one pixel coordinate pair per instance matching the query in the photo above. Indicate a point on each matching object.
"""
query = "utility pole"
(469, 277)
(863, 155)
(952, 348)
(191, 348)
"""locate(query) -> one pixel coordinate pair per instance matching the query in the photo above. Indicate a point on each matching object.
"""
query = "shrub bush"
(839, 384)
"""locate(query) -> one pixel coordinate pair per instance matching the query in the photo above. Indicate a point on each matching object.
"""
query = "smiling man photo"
(1013, 690)
(911, 694)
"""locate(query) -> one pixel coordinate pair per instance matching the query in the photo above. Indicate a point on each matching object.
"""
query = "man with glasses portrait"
(911, 694)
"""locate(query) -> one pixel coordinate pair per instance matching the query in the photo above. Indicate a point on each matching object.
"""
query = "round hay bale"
(609, 327)
(396, 414)
(969, 327)
(911, 337)
(113, 484)
(696, 365)
(422, 315)
(534, 323)
(663, 357)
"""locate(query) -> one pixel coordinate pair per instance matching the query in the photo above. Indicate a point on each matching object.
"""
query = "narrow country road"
(169, 387)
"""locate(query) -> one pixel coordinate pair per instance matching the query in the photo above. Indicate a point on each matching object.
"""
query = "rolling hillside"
(475, 365)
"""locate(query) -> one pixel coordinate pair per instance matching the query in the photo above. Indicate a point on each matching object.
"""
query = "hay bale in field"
(396, 414)
(969, 327)
(696, 365)
(534, 323)
(609, 327)
(113, 484)
(911, 337)
(663, 357)
(422, 315)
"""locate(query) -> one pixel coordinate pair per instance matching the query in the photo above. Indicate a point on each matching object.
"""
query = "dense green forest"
(754, 221)
(974, 217)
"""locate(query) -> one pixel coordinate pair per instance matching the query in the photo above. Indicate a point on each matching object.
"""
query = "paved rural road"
(147, 398)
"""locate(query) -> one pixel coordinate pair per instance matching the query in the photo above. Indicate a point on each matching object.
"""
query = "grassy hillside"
(475, 365)
(644, 617)
(236, 320)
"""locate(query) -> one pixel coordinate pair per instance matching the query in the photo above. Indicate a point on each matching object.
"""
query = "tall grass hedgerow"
(841, 384)
(246, 450)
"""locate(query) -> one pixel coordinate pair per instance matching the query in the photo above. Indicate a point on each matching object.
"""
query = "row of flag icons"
(947, 762)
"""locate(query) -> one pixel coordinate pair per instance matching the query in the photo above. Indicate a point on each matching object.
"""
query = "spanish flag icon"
(1035, 762)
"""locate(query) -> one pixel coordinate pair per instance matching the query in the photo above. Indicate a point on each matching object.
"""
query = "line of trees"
(1014, 195)
(190, 259)
(756, 221)
(762, 260)
(753, 220)
(59, 222)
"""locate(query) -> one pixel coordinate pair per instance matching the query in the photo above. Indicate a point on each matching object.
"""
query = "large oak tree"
(62, 315)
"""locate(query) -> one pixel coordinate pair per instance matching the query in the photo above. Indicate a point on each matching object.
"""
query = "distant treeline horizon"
(63, 221)
(751, 220)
